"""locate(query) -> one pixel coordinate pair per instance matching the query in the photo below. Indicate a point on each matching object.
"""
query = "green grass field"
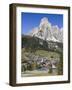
(42, 53)
(48, 54)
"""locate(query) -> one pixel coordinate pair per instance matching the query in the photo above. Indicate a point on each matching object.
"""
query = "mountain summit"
(47, 32)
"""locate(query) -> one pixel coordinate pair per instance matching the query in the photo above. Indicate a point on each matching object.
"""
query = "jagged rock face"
(47, 32)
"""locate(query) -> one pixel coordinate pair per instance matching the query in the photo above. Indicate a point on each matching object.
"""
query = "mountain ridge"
(34, 43)
(47, 32)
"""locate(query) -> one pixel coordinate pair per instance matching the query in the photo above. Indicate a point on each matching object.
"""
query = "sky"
(32, 20)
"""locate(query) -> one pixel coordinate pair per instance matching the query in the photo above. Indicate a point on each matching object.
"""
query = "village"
(40, 63)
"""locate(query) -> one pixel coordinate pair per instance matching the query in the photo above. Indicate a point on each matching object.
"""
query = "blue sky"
(32, 20)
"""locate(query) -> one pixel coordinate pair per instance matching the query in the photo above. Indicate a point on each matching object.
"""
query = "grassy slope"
(42, 53)
(47, 53)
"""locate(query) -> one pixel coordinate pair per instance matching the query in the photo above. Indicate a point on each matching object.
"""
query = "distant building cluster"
(40, 63)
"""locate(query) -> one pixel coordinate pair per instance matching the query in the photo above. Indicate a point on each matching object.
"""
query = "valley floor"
(37, 73)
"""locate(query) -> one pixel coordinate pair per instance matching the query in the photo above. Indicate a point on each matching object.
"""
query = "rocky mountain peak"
(48, 32)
